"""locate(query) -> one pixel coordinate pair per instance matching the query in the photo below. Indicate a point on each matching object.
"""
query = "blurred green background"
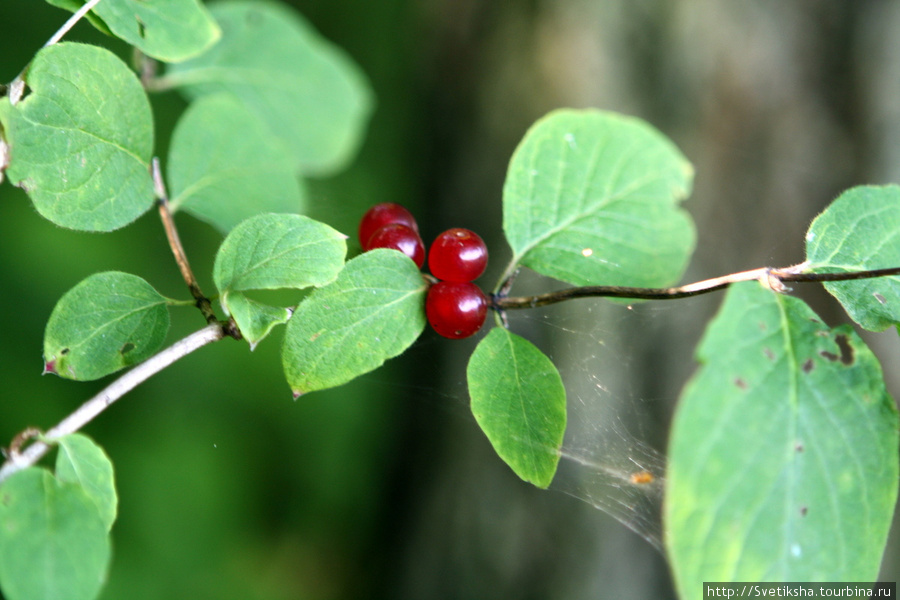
(385, 488)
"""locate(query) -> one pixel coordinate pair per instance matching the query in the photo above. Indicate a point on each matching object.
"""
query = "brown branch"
(774, 278)
(202, 302)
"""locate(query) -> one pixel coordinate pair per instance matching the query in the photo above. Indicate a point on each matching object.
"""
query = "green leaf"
(859, 232)
(107, 322)
(519, 402)
(225, 165)
(373, 311)
(783, 457)
(80, 142)
(275, 251)
(53, 540)
(82, 461)
(255, 320)
(169, 30)
(308, 92)
(592, 198)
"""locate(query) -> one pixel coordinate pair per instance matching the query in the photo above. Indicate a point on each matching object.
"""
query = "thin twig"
(118, 388)
(17, 86)
(145, 66)
(774, 278)
(71, 22)
(202, 302)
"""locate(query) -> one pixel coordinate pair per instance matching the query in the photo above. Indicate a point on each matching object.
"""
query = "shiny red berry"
(399, 237)
(383, 214)
(456, 310)
(457, 255)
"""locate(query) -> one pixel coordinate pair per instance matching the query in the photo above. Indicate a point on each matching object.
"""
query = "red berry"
(456, 310)
(384, 214)
(399, 237)
(457, 255)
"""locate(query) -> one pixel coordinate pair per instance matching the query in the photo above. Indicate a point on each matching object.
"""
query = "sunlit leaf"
(592, 198)
(225, 165)
(373, 311)
(107, 322)
(519, 402)
(304, 88)
(860, 231)
(273, 251)
(168, 30)
(783, 458)
(53, 540)
(82, 461)
(81, 140)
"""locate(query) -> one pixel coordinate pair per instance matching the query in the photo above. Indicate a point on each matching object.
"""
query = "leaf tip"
(296, 394)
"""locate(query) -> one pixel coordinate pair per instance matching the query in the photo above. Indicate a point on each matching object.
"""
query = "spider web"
(605, 352)
(618, 399)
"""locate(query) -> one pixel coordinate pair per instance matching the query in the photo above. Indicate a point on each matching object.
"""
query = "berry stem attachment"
(773, 278)
(165, 214)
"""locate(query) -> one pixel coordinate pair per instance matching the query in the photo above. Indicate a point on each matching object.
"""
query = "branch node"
(230, 329)
(771, 279)
(21, 438)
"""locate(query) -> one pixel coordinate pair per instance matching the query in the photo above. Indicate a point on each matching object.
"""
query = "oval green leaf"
(519, 401)
(168, 30)
(254, 320)
(274, 251)
(307, 91)
(373, 311)
(53, 540)
(80, 141)
(225, 165)
(783, 457)
(82, 461)
(108, 321)
(859, 232)
(592, 198)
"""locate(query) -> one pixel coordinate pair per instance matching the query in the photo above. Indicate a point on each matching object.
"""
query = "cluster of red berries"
(456, 308)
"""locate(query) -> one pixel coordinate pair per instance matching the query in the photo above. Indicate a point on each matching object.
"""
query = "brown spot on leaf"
(769, 354)
(740, 383)
(49, 367)
(798, 447)
(829, 355)
(804, 510)
(808, 365)
(847, 353)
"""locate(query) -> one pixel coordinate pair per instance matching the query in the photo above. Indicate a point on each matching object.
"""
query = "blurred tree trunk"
(779, 105)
